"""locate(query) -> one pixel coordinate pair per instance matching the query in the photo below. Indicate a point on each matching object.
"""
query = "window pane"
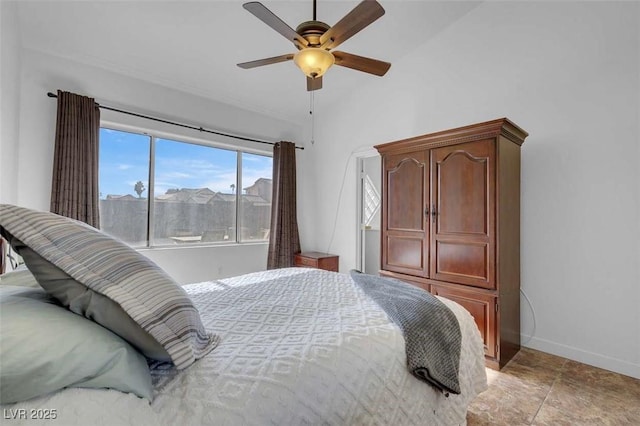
(123, 183)
(194, 193)
(256, 198)
(371, 201)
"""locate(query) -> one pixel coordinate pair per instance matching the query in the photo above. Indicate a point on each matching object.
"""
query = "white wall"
(9, 101)
(566, 72)
(42, 73)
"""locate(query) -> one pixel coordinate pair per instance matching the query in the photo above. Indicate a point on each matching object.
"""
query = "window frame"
(155, 134)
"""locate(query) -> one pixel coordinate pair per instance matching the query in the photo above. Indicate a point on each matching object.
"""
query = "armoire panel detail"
(406, 194)
(405, 252)
(462, 181)
(468, 261)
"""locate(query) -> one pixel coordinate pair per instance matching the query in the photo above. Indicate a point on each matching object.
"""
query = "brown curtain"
(74, 191)
(284, 240)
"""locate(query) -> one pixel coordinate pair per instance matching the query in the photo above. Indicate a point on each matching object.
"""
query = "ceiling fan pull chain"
(313, 119)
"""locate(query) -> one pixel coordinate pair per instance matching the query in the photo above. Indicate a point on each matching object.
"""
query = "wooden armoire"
(451, 223)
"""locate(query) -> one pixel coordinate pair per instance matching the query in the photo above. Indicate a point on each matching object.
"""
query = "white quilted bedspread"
(298, 346)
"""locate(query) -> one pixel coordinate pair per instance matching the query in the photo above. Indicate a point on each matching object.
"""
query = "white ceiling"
(194, 46)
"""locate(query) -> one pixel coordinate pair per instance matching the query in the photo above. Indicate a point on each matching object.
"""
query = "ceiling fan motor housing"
(312, 31)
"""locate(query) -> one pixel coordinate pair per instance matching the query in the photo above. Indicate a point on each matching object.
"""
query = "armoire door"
(405, 197)
(481, 306)
(463, 228)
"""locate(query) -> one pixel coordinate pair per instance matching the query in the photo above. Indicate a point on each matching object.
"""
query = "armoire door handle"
(426, 212)
(433, 212)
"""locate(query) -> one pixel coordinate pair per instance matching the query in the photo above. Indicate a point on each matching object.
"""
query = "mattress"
(298, 346)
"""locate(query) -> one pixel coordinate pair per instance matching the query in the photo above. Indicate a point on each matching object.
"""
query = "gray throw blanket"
(431, 330)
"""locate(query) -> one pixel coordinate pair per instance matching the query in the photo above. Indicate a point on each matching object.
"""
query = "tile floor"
(536, 388)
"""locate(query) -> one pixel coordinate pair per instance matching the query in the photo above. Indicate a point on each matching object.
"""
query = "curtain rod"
(173, 123)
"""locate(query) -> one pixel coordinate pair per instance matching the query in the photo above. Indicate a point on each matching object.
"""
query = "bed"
(293, 346)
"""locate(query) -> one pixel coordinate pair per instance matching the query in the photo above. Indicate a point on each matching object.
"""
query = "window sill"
(201, 246)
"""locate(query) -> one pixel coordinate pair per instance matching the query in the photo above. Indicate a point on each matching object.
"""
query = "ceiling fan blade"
(360, 63)
(361, 16)
(269, 18)
(266, 61)
(314, 83)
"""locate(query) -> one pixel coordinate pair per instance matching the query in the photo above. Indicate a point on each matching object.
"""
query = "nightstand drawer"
(314, 259)
(305, 261)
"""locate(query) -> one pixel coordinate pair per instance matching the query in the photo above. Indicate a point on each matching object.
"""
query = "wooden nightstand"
(315, 259)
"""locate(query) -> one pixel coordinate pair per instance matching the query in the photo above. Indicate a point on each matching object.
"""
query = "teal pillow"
(20, 278)
(45, 347)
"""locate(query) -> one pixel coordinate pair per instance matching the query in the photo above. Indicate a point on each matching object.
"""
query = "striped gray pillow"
(110, 268)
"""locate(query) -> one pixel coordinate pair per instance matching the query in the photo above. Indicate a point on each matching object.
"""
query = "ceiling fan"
(315, 41)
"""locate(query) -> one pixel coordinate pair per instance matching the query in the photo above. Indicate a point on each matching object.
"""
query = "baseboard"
(597, 360)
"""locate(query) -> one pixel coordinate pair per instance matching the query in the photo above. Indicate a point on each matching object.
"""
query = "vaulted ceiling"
(194, 46)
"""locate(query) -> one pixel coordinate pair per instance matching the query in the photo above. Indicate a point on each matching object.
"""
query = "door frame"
(360, 158)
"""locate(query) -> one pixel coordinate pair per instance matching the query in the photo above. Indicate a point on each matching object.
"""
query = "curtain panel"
(284, 240)
(74, 190)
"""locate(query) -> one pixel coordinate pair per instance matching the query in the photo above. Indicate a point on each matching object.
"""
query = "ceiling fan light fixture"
(314, 61)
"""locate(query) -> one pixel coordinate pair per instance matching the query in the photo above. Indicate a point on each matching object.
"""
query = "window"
(123, 181)
(156, 191)
(371, 200)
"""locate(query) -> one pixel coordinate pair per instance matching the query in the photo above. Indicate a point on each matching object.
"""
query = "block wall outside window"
(201, 194)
